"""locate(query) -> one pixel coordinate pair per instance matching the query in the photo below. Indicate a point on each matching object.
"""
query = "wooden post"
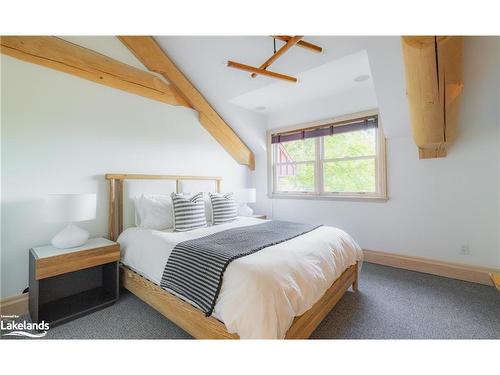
(111, 213)
(120, 207)
(434, 83)
(355, 284)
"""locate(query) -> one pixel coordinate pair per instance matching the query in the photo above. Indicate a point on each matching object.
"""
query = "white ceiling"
(326, 86)
(203, 60)
(332, 78)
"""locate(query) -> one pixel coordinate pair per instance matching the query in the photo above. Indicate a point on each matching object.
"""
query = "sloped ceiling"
(203, 60)
(330, 79)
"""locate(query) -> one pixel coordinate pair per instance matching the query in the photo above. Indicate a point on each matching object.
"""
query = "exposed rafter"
(290, 41)
(156, 60)
(82, 62)
(300, 43)
(289, 44)
(248, 68)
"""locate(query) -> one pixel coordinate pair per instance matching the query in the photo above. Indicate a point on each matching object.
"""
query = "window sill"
(332, 197)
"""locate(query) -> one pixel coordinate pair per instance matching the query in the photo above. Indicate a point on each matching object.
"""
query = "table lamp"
(246, 196)
(70, 208)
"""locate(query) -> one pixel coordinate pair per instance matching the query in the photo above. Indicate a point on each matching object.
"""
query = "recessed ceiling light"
(361, 78)
(260, 108)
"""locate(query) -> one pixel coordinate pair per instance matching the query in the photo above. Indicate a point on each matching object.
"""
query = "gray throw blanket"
(195, 268)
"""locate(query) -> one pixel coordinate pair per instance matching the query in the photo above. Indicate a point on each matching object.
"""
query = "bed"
(282, 291)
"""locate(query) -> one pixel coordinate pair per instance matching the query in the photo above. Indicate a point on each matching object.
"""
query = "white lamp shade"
(70, 207)
(246, 195)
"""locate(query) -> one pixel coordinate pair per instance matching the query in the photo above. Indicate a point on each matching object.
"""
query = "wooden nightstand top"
(264, 217)
(51, 261)
(51, 251)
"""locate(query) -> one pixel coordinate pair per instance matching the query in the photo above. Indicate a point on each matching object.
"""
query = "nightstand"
(263, 217)
(65, 284)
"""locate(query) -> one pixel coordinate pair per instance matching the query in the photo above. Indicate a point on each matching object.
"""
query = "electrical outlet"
(464, 250)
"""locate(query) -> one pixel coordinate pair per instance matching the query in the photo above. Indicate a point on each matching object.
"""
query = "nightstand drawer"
(60, 264)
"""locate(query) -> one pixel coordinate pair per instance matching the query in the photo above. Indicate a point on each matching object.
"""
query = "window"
(343, 159)
(295, 167)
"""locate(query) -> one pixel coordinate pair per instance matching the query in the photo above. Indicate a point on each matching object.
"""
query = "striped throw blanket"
(196, 267)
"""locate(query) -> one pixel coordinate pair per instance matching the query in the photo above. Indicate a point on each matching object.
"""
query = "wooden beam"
(301, 43)
(225, 136)
(291, 42)
(432, 153)
(155, 59)
(433, 67)
(82, 62)
(248, 68)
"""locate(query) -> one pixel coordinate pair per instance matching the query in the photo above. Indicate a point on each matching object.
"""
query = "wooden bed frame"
(183, 314)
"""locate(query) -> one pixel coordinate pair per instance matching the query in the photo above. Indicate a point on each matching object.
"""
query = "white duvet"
(261, 293)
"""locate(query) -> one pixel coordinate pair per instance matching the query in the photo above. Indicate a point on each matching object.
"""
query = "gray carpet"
(391, 304)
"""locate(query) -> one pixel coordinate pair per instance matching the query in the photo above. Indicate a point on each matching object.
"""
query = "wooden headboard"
(115, 213)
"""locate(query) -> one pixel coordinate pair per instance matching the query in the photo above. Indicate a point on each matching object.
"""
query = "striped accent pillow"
(224, 208)
(189, 212)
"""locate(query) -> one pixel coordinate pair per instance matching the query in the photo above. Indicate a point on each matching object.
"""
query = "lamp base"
(244, 210)
(71, 236)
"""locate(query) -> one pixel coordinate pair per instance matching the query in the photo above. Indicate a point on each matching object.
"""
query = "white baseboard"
(480, 275)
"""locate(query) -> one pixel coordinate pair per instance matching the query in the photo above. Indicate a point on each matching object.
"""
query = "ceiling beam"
(300, 43)
(58, 54)
(155, 59)
(434, 83)
(289, 44)
(252, 69)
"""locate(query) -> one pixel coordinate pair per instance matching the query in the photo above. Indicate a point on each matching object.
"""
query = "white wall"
(339, 104)
(435, 205)
(497, 95)
(60, 134)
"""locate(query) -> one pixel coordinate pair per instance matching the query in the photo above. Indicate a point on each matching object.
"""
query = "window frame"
(314, 163)
(380, 193)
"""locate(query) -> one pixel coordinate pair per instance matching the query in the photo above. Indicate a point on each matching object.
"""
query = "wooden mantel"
(433, 66)
(64, 56)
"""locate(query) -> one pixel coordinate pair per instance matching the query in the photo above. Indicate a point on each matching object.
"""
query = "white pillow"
(154, 211)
